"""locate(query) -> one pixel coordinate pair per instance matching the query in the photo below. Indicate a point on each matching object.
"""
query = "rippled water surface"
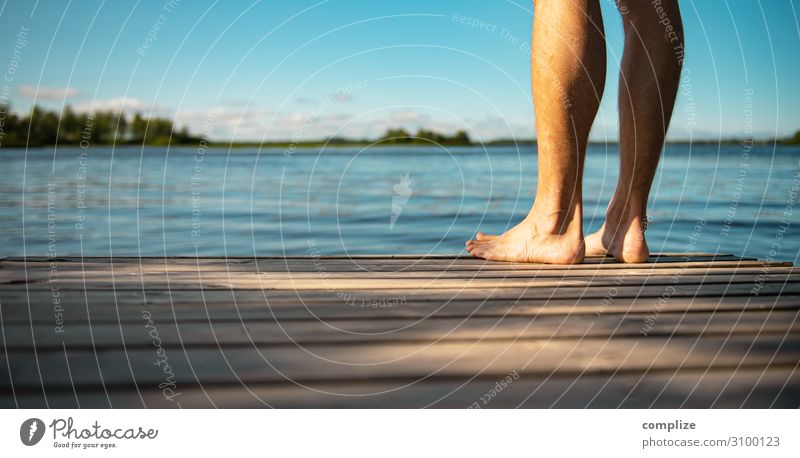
(246, 202)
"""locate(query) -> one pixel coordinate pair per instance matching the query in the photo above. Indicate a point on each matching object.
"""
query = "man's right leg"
(649, 79)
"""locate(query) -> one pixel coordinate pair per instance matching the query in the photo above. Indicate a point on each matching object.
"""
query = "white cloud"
(126, 104)
(493, 127)
(47, 93)
(257, 123)
(343, 96)
(235, 121)
(225, 123)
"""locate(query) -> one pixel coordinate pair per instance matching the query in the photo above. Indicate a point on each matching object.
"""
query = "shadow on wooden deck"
(694, 330)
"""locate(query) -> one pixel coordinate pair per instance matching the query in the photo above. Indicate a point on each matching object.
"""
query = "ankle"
(557, 221)
(625, 210)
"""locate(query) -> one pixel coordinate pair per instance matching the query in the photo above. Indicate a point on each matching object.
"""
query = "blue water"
(244, 202)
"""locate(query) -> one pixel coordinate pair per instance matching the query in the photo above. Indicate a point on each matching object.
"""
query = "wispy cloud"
(125, 104)
(338, 96)
(258, 123)
(304, 101)
(227, 122)
(47, 93)
(239, 120)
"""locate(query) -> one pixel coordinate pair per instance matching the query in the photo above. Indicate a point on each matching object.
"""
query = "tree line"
(42, 127)
(795, 140)
(424, 136)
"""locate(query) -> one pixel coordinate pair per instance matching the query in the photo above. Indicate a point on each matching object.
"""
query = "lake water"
(404, 200)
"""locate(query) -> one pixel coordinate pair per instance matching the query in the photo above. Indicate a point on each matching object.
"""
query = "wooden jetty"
(697, 330)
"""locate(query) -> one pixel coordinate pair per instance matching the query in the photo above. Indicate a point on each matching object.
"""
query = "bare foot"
(623, 240)
(526, 242)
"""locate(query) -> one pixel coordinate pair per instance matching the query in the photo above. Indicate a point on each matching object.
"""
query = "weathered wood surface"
(700, 330)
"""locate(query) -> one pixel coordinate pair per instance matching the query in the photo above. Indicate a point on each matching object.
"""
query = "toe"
(474, 251)
(485, 236)
(481, 249)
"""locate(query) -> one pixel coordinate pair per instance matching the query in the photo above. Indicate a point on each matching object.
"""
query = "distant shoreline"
(42, 128)
(375, 144)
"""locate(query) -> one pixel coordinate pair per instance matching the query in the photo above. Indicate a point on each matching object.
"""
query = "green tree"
(39, 127)
(428, 136)
(120, 127)
(69, 130)
(461, 138)
(10, 128)
(396, 136)
(159, 131)
(103, 129)
(138, 128)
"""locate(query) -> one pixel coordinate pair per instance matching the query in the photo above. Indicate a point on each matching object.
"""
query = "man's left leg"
(649, 78)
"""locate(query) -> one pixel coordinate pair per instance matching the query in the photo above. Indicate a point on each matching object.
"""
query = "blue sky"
(254, 70)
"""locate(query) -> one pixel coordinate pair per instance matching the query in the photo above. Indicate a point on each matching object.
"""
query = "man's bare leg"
(568, 67)
(650, 75)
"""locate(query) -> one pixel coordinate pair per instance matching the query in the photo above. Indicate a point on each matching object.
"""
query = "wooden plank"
(127, 306)
(357, 264)
(334, 267)
(774, 387)
(215, 265)
(254, 281)
(478, 329)
(654, 257)
(595, 261)
(141, 274)
(400, 331)
(407, 362)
